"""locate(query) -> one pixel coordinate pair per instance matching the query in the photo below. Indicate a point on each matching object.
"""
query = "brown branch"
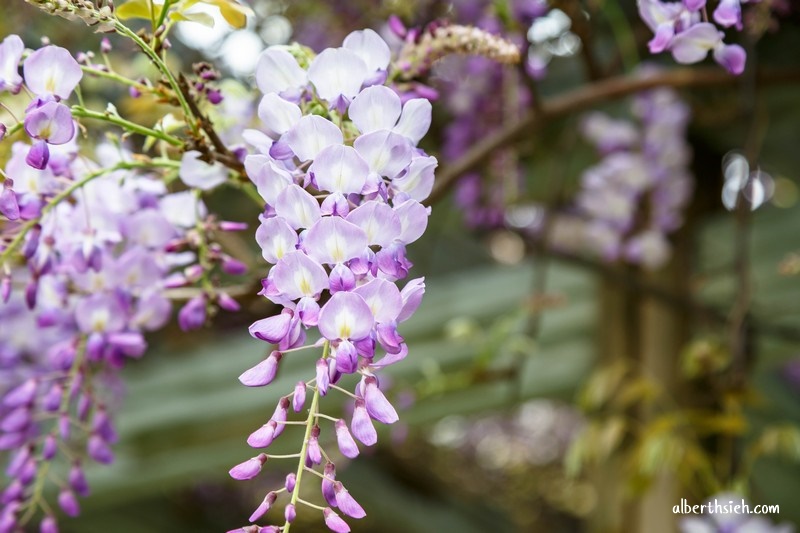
(587, 96)
(220, 151)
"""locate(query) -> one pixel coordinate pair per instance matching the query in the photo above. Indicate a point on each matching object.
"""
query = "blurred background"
(550, 386)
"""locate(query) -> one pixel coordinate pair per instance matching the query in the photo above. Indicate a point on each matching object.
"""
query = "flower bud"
(263, 373)
(290, 513)
(48, 525)
(263, 436)
(299, 397)
(346, 503)
(291, 481)
(264, 507)
(99, 450)
(77, 480)
(68, 503)
(314, 451)
(248, 469)
(193, 314)
(334, 521)
(347, 445)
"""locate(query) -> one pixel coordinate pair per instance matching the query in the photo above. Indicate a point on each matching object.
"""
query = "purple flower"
(277, 115)
(334, 521)
(732, 57)
(38, 156)
(77, 480)
(337, 74)
(276, 238)
(311, 135)
(334, 240)
(248, 469)
(278, 72)
(51, 122)
(296, 275)
(290, 513)
(11, 50)
(345, 316)
(99, 450)
(272, 329)
(314, 452)
(199, 174)
(263, 373)
(361, 424)
(9, 207)
(339, 168)
(298, 207)
(68, 503)
(50, 447)
(728, 13)
(376, 403)
(370, 47)
(52, 71)
(347, 445)
(22, 394)
(263, 436)
(264, 507)
(17, 420)
(48, 525)
(346, 503)
(299, 397)
(323, 376)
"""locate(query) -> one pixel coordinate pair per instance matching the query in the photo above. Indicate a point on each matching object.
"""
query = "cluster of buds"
(206, 74)
(423, 48)
(99, 14)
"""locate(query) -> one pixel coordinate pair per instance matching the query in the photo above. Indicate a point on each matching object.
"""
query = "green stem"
(110, 75)
(162, 67)
(310, 421)
(163, 15)
(152, 15)
(14, 129)
(133, 127)
(66, 193)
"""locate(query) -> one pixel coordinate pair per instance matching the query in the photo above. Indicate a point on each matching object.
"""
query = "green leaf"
(234, 13)
(134, 9)
(602, 386)
(779, 440)
(201, 18)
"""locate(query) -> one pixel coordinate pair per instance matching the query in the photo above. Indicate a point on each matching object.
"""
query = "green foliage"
(703, 357)
(233, 12)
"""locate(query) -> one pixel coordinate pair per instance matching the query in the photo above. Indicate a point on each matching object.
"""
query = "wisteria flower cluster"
(99, 242)
(97, 266)
(634, 198)
(50, 74)
(342, 179)
(684, 29)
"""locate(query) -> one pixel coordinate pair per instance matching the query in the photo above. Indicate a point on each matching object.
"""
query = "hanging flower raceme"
(635, 196)
(342, 180)
(88, 252)
(95, 268)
